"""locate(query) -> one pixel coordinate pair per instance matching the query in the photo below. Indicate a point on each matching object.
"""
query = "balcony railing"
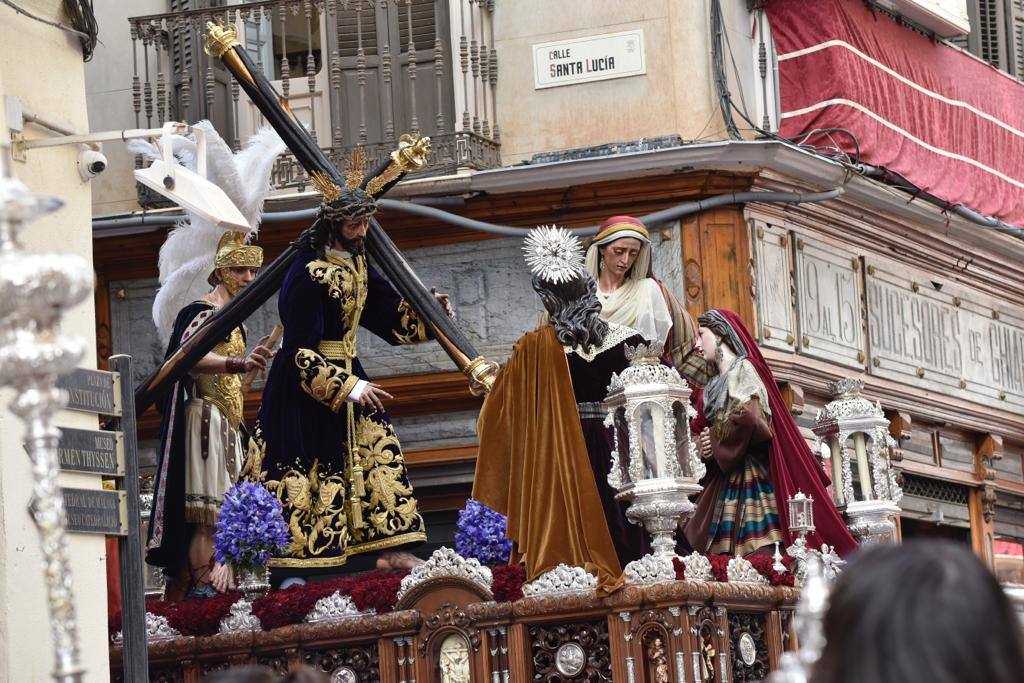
(355, 72)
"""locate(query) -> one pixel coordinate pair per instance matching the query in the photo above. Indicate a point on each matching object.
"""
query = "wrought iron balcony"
(355, 72)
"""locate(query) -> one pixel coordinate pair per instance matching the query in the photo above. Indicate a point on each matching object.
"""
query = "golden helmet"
(233, 252)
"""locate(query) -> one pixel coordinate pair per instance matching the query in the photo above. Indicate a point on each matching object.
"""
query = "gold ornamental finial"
(412, 152)
(410, 156)
(220, 38)
(325, 186)
(481, 373)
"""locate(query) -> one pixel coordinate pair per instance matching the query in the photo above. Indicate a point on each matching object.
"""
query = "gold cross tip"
(412, 152)
(219, 38)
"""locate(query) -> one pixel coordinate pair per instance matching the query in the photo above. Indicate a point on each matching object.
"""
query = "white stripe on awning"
(903, 79)
(904, 133)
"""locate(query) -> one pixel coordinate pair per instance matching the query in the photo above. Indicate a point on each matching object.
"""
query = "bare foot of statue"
(393, 559)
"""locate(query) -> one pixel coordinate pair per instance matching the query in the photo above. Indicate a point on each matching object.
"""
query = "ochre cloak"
(533, 465)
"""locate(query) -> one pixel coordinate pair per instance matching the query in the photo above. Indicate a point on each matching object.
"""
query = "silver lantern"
(853, 438)
(654, 466)
(801, 523)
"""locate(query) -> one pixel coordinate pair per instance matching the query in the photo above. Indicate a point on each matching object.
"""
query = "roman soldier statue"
(201, 435)
(323, 443)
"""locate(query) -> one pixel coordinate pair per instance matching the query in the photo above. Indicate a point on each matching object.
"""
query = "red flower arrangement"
(761, 563)
(193, 617)
(508, 582)
(720, 567)
(291, 605)
(377, 590)
(202, 616)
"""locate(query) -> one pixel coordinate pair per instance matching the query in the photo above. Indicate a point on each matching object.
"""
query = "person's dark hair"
(923, 612)
(574, 310)
(715, 322)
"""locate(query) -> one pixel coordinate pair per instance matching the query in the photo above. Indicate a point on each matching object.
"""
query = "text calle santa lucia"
(575, 68)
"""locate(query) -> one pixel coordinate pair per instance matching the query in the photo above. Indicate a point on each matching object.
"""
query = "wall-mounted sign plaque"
(92, 391)
(594, 58)
(96, 511)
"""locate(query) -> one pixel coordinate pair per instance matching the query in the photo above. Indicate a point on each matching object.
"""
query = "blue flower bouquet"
(250, 527)
(480, 533)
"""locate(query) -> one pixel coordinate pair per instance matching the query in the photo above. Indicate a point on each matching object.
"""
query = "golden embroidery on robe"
(346, 281)
(314, 505)
(252, 469)
(411, 328)
(389, 505)
(222, 389)
(326, 382)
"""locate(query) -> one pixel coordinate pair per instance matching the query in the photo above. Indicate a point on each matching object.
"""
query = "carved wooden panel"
(934, 334)
(717, 263)
(705, 634)
(558, 648)
(829, 294)
(362, 661)
(748, 647)
(1011, 465)
(956, 450)
(773, 292)
(277, 662)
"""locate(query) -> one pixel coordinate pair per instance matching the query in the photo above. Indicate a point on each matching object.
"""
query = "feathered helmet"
(195, 247)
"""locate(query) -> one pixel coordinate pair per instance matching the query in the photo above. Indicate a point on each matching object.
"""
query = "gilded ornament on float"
(220, 38)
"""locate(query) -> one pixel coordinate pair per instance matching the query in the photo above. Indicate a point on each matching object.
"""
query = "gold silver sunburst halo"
(554, 254)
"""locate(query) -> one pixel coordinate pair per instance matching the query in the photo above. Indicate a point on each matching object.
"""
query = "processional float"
(411, 155)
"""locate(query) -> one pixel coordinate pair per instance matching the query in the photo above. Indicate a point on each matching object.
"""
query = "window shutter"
(423, 27)
(348, 32)
(1017, 39)
(997, 34)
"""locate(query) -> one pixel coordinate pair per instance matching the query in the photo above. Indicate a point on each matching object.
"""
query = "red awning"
(949, 123)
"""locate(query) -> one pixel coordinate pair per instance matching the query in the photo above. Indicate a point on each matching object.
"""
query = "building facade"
(42, 82)
(572, 114)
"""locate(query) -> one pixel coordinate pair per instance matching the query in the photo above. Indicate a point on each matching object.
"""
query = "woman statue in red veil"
(757, 458)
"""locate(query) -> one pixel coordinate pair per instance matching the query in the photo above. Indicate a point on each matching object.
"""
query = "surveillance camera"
(91, 163)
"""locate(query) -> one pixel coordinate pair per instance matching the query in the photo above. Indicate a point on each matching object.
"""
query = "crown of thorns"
(350, 205)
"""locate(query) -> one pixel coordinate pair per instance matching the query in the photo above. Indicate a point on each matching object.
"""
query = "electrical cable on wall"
(83, 22)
